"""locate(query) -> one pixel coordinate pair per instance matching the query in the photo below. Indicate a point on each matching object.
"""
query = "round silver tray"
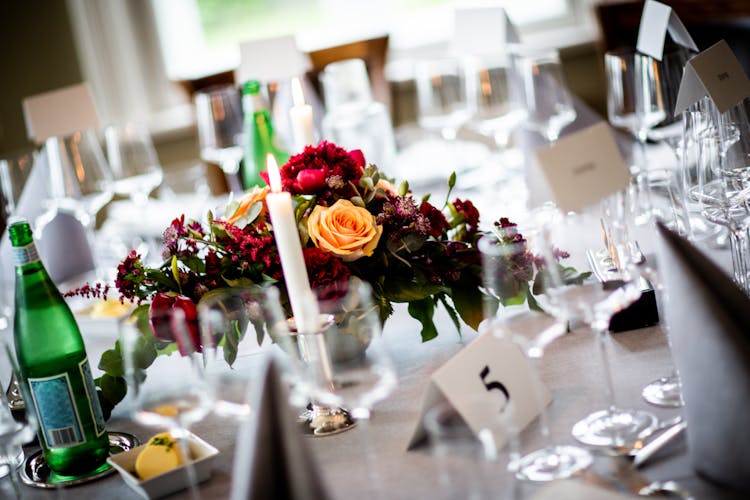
(35, 472)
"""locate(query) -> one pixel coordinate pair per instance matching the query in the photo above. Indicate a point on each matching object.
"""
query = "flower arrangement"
(352, 222)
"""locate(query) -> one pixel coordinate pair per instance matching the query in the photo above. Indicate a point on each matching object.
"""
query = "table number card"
(60, 112)
(271, 59)
(584, 167)
(717, 73)
(483, 30)
(657, 20)
(481, 382)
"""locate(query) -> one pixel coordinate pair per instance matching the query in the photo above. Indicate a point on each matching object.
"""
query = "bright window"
(200, 37)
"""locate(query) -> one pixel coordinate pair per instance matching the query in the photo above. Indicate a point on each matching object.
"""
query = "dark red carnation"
(438, 224)
(325, 170)
(470, 213)
(326, 272)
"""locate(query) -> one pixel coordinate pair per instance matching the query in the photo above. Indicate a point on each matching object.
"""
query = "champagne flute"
(508, 258)
(174, 394)
(548, 102)
(585, 299)
(220, 120)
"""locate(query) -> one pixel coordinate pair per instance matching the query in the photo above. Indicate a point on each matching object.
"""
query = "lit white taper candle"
(301, 118)
(279, 203)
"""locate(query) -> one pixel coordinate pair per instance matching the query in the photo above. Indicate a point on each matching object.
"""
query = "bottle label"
(96, 408)
(25, 255)
(58, 415)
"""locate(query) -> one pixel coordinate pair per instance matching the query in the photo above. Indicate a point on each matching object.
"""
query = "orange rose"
(247, 210)
(344, 229)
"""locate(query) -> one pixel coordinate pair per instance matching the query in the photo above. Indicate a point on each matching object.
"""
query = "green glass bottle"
(52, 359)
(260, 136)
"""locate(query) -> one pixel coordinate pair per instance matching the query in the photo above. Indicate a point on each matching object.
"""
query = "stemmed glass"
(586, 300)
(548, 102)
(136, 170)
(220, 120)
(232, 329)
(80, 180)
(506, 258)
(174, 394)
(493, 95)
(334, 370)
(14, 432)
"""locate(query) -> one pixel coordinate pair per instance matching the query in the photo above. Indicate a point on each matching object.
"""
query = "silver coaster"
(36, 473)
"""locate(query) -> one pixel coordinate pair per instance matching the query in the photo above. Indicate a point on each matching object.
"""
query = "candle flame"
(297, 96)
(274, 176)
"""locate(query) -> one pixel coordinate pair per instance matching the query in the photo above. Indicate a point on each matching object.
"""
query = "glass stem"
(181, 433)
(601, 334)
(738, 245)
(537, 388)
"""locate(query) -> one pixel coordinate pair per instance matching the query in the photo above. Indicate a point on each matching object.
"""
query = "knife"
(658, 443)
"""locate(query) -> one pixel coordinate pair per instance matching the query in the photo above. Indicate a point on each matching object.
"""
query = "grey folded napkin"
(709, 325)
(272, 459)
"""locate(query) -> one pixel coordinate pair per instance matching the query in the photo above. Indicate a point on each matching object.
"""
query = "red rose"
(163, 325)
(325, 170)
(311, 181)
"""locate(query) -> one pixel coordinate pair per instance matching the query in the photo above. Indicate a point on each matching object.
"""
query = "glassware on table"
(442, 102)
(218, 111)
(173, 395)
(588, 301)
(504, 261)
(15, 431)
(79, 181)
(548, 103)
(354, 120)
(346, 364)
(494, 97)
(449, 438)
(232, 330)
(136, 170)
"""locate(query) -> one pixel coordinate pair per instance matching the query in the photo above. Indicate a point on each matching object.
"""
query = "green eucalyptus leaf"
(422, 311)
(397, 290)
(451, 313)
(231, 342)
(533, 304)
(111, 362)
(358, 201)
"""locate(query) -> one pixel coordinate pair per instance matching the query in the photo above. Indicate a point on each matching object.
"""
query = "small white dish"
(171, 481)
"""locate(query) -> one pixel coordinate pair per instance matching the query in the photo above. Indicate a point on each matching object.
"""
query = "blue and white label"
(58, 416)
(96, 408)
(25, 255)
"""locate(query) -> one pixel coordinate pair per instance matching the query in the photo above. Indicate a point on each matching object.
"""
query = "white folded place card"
(482, 30)
(715, 73)
(583, 168)
(60, 112)
(271, 59)
(487, 383)
(657, 20)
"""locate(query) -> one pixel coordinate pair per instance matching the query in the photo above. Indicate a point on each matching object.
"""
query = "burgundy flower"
(164, 326)
(326, 170)
(129, 275)
(326, 272)
(470, 213)
(438, 224)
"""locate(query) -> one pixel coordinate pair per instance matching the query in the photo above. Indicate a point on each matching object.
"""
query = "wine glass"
(507, 260)
(218, 111)
(136, 170)
(80, 180)
(174, 394)
(15, 431)
(492, 92)
(441, 96)
(232, 328)
(335, 372)
(546, 98)
(584, 299)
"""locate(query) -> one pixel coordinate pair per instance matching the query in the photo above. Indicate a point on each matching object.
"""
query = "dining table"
(571, 369)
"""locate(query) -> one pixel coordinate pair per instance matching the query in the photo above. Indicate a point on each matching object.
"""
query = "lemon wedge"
(161, 454)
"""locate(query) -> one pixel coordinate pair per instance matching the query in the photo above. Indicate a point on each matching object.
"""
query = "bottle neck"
(254, 103)
(26, 258)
